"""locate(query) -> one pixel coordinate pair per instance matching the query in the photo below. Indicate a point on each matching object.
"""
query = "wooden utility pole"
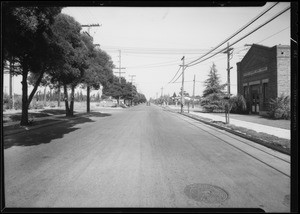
(88, 87)
(229, 54)
(182, 86)
(120, 68)
(193, 91)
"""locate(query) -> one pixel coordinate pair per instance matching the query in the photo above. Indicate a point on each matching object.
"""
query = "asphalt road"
(142, 157)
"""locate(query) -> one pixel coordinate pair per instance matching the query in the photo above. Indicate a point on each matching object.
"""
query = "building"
(264, 73)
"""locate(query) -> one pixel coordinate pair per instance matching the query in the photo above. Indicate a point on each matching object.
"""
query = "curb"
(256, 140)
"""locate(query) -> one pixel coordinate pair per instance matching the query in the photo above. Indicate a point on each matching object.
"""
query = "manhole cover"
(206, 193)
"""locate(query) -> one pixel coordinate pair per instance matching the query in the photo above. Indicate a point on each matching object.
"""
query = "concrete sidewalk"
(279, 132)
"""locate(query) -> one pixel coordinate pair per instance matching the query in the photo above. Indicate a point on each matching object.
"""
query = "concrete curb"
(256, 140)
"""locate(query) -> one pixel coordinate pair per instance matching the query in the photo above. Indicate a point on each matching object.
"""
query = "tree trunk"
(72, 101)
(36, 85)
(66, 101)
(88, 99)
(10, 85)
(45, 95)
(50, 98)
(58, 99)
(24, 118)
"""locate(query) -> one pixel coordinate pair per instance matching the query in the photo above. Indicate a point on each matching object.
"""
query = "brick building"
(262, 74)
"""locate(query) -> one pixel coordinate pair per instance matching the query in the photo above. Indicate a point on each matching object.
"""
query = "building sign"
(255, 71)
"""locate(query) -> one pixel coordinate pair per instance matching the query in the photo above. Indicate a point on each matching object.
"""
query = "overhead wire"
(278, 14)
(175, 75)
(237, 32)
(273, 35)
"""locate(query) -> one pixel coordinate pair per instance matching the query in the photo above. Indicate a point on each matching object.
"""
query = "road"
(143, 156)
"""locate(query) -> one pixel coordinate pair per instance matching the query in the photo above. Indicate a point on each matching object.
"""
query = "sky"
(152, 41)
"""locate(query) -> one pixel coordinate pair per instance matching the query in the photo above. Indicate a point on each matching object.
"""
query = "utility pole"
(182, 87)
(88, 87)
(89, 27)
(132, 76)
(229, 56)
(120, 68)
(162, 89)
(193, 90)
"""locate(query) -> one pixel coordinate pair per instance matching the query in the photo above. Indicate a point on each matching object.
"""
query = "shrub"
(36, 105)
(7, 102)
(279, 108)
(239, 105)
(212, 103)
(18, 103)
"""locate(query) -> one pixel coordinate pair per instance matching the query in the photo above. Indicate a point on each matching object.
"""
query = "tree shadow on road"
(49, 133)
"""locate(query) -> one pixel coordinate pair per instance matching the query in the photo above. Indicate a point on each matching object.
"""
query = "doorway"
(255, 99)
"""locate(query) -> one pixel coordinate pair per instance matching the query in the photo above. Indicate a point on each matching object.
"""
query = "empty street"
(143, 156)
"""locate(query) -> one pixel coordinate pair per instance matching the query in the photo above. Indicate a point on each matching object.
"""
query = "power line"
(278, 14)
(237, 32)
(178, 77)
(274, 34)
(155, 64)
(174, 75)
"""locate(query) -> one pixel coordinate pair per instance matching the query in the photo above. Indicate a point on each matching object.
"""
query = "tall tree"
(129, 92)
(213, 93)
(28, 41)
(74, 60)
(99, 68)
(213, 84)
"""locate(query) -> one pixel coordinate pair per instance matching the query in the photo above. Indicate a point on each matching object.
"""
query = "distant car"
(148, 103)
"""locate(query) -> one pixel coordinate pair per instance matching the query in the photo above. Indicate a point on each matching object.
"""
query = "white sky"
(153, 40)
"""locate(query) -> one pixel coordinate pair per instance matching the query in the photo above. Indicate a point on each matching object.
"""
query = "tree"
(114, 88)
(129, 92)
(45, 81)
(28, 40)
(99, 68)
(74, 60)
(212, 84)
(213, 93)
(139, 98)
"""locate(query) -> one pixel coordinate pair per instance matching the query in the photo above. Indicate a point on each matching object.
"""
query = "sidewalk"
(278, 132)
